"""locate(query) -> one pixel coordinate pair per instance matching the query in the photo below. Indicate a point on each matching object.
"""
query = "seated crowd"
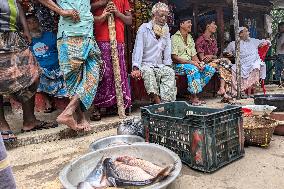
(82, 70)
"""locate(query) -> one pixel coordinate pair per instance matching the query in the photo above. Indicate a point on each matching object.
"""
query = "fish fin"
(112, 181)
(164, 173)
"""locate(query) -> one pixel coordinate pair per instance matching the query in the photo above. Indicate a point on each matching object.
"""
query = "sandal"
(95, 117)
(41, 126)
(225, 100)
(10, 134)
(49, 110)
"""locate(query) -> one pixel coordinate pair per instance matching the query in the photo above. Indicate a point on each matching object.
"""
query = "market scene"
(154, 94)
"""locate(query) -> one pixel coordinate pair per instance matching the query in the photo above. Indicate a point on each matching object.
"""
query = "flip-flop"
(10, 134)
(41, 126)
(95, 117)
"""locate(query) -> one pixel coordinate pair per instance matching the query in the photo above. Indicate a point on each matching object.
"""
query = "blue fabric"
(279, 66)
(82, 28)
(195, 78)
(52, 83)
(80, 61)
(45, 50)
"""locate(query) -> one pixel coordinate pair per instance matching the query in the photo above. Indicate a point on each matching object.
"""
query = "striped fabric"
(8, 15)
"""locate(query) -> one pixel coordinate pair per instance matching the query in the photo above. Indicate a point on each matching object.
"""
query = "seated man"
(151, 58)
(206, 47)
(44, 49)
(250, 61)
(187, 62)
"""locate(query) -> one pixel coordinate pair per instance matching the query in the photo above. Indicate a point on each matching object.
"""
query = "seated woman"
(206, 47)
(251, 64)
(44, 49)
(187, 62)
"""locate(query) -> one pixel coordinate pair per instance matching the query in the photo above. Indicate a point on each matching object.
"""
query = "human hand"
(198, 65)
(136, 74)
(112, 8)
(264, 44)
(74, 14)
(27, 36)
(208, 58)
(106, 13)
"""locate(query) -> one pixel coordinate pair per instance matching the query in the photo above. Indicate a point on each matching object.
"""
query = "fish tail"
(163, 173)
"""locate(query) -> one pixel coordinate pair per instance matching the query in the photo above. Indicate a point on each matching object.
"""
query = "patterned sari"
(79, 60)
(19, 71)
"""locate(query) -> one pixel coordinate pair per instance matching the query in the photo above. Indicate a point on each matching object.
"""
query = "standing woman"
(19, 71)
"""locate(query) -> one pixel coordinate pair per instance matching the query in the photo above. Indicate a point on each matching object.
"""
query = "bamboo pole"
(116, 67)
(237, 47)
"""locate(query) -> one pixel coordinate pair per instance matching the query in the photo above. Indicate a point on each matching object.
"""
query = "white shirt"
(150, 51)
(279, 43)
(249, 56)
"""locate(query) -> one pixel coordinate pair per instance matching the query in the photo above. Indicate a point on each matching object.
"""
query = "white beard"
(159, 30)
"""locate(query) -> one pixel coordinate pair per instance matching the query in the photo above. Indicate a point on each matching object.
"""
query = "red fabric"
(208, 46)
(101, 29)
(262, 51)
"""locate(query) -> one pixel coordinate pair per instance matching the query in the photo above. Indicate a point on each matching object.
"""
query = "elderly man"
(79, 58)
(151, 58)
(251, 64)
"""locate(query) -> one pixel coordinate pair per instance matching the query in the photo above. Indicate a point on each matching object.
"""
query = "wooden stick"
(116, 67)
(237, 52)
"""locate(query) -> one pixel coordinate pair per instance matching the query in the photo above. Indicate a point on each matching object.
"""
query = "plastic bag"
(131, 127)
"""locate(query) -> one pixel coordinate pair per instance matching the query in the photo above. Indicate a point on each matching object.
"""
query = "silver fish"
(96, 178)
(123, 175)
(147, 166)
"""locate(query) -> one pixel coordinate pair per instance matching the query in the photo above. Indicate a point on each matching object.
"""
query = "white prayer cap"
(160, 7)
(241, 29)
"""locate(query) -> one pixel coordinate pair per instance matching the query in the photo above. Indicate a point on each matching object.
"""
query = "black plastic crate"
(204, 138)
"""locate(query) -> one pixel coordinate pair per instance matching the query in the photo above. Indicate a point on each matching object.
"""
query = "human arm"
(230, 49)
(126, 16)
(201, 45)
(260, 43)
(74, 14)
(167, 51)
(24, 23)
(137, 54)
(95, 4)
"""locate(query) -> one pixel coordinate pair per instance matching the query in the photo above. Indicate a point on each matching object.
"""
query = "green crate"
(205, 138)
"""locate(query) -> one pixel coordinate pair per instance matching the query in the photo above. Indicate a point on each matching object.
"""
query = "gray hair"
(159, 7)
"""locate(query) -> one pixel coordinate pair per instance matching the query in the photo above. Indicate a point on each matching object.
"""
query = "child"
(44, 49)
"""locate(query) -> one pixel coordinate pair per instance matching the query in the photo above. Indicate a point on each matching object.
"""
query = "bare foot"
(85, 125)
(68, 120)
(221, 92)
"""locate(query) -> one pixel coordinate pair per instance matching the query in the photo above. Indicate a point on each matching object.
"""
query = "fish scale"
(147, 166)
(130, 173)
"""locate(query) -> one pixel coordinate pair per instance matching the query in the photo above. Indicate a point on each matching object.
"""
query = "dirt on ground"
(37, 166)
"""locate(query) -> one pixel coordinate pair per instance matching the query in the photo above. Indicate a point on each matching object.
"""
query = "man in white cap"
(252, 68)
(151, 58)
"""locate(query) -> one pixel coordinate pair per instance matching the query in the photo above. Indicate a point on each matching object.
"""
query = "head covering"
(159, 7)
(241, 29)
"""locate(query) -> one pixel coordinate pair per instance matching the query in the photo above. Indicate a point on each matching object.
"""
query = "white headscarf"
(241, 29)
(159, 7)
